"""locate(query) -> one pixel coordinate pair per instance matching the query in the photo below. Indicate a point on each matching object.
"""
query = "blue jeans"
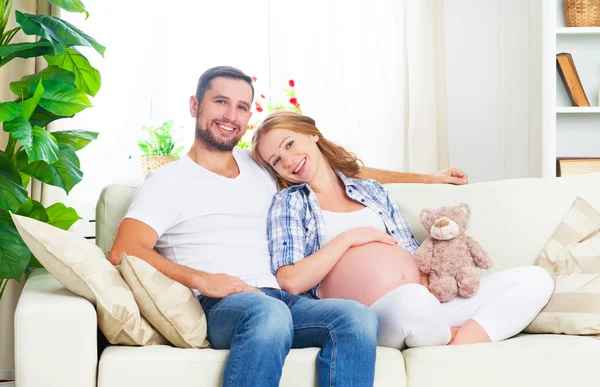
(260, 329)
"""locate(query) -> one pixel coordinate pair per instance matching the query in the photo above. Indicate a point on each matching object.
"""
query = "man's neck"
(220, 162)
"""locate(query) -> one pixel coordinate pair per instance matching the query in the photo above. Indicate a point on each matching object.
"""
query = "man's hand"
(450, 176)
(221, 285)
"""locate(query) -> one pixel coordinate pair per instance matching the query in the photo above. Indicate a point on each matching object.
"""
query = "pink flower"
(262, 96)
(253, 79)
(294, 101)
(291, 83)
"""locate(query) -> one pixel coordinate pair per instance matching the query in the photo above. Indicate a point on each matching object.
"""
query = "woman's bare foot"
(470, 333)
(453, 331)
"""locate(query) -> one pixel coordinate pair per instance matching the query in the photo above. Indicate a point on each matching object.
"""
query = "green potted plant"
(157, 146)
(58, 91)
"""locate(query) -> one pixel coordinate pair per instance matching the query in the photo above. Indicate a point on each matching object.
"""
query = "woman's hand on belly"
(367, 272)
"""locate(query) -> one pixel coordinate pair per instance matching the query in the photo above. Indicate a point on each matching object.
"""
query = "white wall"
(493, 87)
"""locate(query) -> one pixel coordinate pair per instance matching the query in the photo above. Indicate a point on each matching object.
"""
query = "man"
(207, 215)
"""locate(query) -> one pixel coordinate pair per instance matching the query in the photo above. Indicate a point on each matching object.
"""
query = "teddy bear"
(449, 257)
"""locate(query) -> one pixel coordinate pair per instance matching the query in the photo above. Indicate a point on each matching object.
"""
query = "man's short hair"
(216, 72)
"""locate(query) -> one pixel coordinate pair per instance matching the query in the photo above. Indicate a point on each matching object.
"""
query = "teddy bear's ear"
(466, 208)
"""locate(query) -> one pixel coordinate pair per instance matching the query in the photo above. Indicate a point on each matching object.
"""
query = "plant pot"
(150, 163)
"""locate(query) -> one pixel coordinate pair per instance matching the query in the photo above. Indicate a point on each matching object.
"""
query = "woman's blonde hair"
(338, 158)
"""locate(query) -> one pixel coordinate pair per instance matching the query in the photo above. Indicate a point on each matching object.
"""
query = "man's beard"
(207, 137)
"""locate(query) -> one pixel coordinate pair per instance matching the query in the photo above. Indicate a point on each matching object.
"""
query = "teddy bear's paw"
(468, 281)
(444, 289)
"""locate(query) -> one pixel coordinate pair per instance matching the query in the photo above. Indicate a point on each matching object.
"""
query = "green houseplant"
(157, 146)
(60, 90)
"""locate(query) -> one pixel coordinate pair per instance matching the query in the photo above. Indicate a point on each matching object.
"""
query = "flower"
(262, 108)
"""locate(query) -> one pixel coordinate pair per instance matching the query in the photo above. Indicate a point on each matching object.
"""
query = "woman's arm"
(310, 271)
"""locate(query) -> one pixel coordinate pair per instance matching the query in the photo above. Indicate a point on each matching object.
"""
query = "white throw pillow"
(172, 308)
(80, 266)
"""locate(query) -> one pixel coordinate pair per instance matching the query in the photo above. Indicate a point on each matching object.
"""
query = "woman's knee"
(542, 283)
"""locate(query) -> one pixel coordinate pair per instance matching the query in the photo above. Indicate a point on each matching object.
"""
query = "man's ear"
(194, 106)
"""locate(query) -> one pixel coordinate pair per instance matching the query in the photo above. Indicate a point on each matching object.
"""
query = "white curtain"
(370, 73)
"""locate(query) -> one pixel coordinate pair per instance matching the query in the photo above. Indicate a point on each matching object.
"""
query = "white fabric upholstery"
(512, 219)
(524, 361)
(55, 336)
(168, 366)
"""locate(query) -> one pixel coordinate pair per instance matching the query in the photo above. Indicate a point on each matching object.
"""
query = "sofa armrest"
(55, 336)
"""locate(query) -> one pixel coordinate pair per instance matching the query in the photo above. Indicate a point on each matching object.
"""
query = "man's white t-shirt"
(209, 222)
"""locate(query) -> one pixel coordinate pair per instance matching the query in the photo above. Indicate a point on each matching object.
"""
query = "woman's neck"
(327, 182)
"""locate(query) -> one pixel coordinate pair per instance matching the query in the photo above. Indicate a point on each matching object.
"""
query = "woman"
(341, 236)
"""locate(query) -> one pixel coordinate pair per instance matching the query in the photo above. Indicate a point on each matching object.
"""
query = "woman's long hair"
(338, 158)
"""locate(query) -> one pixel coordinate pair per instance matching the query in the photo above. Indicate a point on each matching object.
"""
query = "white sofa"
(56, 334)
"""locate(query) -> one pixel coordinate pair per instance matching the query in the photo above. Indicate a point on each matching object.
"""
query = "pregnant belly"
(365, 273)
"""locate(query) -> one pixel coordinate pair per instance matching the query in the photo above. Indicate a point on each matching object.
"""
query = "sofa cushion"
(80, 266)
(512, 219)
(160, 366)
(171, 307)
(572, 257)
(524, 361)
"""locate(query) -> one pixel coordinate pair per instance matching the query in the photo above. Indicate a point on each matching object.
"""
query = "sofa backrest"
(512, 219)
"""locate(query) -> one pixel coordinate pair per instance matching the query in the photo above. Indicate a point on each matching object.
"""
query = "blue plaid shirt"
(297, 229)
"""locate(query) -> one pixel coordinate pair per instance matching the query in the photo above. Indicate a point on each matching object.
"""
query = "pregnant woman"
(339, 236)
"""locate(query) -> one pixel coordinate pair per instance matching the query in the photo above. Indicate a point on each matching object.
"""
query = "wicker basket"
(150, 163)
(582, 13)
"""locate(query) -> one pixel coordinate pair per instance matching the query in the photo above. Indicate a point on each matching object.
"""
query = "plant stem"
(3, 283)
(10, 147)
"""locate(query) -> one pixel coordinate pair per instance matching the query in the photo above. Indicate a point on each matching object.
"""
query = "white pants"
(507, 301)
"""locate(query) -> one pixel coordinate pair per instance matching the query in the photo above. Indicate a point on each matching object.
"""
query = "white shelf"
(578, 31)
(578, 109)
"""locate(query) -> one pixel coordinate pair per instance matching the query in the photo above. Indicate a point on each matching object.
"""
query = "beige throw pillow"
(572, 257)
(171, 307)
(80, 266)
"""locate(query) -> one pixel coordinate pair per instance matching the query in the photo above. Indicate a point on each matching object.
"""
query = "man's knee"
(359, 321)
(269, 320)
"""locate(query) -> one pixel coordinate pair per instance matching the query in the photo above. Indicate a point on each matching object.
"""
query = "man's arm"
(446, 176)
(138, 239)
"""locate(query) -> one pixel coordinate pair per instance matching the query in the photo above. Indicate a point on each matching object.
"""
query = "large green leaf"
(9, 110)
(33, 209)
(75, 139)
(64, 173)
(62, 216)
(71, 6)
(14, 254)
(42, 117)
(30, 104)
(21, 88)
(5, 6)
(63, 99)
(87, 78)
(56, 31)
(38, 143)
(24, 50)
(12, 193)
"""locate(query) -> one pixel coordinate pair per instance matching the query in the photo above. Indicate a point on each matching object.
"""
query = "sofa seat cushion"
(160, 365)
(525, 360)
